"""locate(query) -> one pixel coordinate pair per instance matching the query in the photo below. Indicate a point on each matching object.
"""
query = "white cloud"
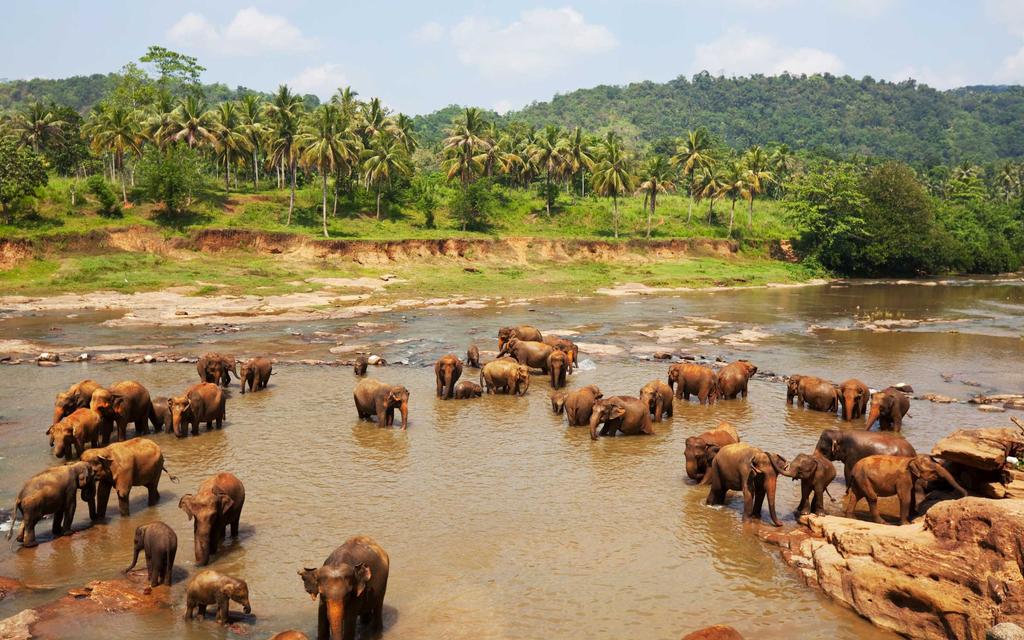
(429, 33)
(250, 32)
(949, 78)
(1012, 69)
(321, 81)
(1008, 13)
(738, 52)
(539, 42)
(502, 106)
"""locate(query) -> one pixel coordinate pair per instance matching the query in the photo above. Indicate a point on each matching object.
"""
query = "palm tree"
(345, 98)
(694, 153)
(373, 119)
(1008, 181)
(465, 147)
(547, 152)
(758, 175)
(734, 185)
(657, 177)
(285, 113)
(251, 107)
(707, 184)
(229, 136)
(191, 122)
(324, 147)
(612, 177)
(579, 157)
(38, 125)
(383, 161)
(158, 121)
(115, 129)
(402, 128)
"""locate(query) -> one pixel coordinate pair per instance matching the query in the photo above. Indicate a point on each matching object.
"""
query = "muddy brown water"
(501, 522)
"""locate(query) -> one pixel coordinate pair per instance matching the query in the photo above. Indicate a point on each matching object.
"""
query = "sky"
(418, 56)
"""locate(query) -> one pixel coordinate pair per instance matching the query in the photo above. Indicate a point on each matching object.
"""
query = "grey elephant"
(52, 492)
(160, 544)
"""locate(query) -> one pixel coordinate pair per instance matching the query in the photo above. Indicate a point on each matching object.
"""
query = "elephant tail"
(829, 495)
(170, 476)
(14, 517)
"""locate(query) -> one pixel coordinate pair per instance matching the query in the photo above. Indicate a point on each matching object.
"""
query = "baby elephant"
(473, 356)
(373, 397)
(160, 544)
(466, 389)
(815, 473)
(256, 373)
(210, 587)
(903, 476)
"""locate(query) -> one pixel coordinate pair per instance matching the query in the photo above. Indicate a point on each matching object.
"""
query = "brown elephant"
(52, 492)
(77, 396)
(447, 371)
(124, 402)
(742, 467)
(468, 389)
(532, 354)
(359, 367)
(217, 504)
(733, 379)
(558, 402)
(701, 450)
(505, 375)
(888, 407)
(815, 393)
(473, 356)
(209, 587)
(350, 585)
(849, 447)
(73, 432)
(559, 364)
(696, 379)
(256, 373)
(566, 345)
(658, 397)
(579, 404)
(627, 414)
(907, 477)
(523, 332)
(216, 368)
(290, 634)
(853, 396)
(203, 402)
(160, 544)
(135, 463)
(815, 473)
(373, 397)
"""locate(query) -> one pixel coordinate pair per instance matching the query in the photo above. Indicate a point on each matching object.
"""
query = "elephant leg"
(122, 501)
(152, 572)
(669, 409)
(189, 609)
(758, 505)
(69, 512)
(58, 522)
(744, 391)
(686, 396)
(28, 531)
(852, 497)
(142, 426)
(102, 497)
(234, 524)
(195, 426)
(122, 429)
(154, 493)
(748, 502)
(222, 608)
(818, 504)
(805, 490)
(202, 610)
(323, 629)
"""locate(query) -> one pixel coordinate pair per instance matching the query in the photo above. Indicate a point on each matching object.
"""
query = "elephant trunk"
(848, 405)
(595, 419)
(873, 416)
(404, 408)
(693, 469)
(948, 477)
(770, 482)
(526, 385)
(336, 618)
(58, 414)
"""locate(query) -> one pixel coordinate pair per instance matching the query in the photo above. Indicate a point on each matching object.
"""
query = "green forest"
(864, 177)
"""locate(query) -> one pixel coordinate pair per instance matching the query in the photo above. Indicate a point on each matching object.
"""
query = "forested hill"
(834, 115)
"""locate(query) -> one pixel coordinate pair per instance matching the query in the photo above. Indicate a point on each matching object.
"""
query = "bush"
(104, 194)
(21, 173)
(170, 176)
(473, 205)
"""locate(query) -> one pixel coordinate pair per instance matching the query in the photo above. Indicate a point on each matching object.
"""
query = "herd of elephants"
(352, 581)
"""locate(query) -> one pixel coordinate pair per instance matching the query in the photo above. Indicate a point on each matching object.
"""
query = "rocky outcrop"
(953, 573)
(716, 632)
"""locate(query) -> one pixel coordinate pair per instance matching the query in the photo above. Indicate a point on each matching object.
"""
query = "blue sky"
(419, 56)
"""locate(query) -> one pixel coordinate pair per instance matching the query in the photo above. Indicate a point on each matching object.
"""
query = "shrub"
(170, 176)
(104, 194)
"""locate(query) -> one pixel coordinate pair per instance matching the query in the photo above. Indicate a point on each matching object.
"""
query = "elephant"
(216, 368)
(203, 402)
(468, 389)
(579, 404)
(447, 371)
(906, 477)
(217, 504)
(77, 396)
(350, 585)
(815, 473)
(505, 375)
(532, 354)
(733, 379)
(473, 356)
(160, 544)
(359, 367)
(256, 373)
(658, 396)
(815, 393)
(853, 396)
(741, 466)
(70, 435)
(374, 397)
(161, 415)
(850, 446)
(559, 364)
(134, 463)
(888, 407)
(290, 634)
(686, 379)
(558, 402)
(701, 450)
(627, 414)
(523, 332)
(208, 587)
(566, 345)
(124, 402)
(52, 492)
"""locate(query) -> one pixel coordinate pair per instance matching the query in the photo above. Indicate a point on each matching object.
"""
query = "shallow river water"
(500, 521)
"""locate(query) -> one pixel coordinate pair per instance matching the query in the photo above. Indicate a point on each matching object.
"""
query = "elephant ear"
(85, 476)
(185, 504)
(225, 503)
(309, 581)
(778, 462)
(363, 575)
(711, 451)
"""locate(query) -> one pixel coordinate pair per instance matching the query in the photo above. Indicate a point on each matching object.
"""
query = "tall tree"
(579, 156)
(656, 177)
(694, 154)
(465, 147)
(192, 124)
(39, 126)
(324, 146)
(285, 114)
(758, 175)
(251, 112)
(734, 185)
(229, 136)
(707, 185)
(548, 152)
(612, 175)
(383, 161)
(115, 129)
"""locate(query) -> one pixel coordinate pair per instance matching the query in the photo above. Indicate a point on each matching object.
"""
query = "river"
(500, 521)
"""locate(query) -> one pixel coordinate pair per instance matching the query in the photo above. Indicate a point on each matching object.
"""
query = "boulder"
(984, 449)
(716, 632)
(1005, 631)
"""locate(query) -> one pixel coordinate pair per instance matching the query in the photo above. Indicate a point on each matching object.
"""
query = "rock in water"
(1005, 631)
(716, 632)
(985, 449)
